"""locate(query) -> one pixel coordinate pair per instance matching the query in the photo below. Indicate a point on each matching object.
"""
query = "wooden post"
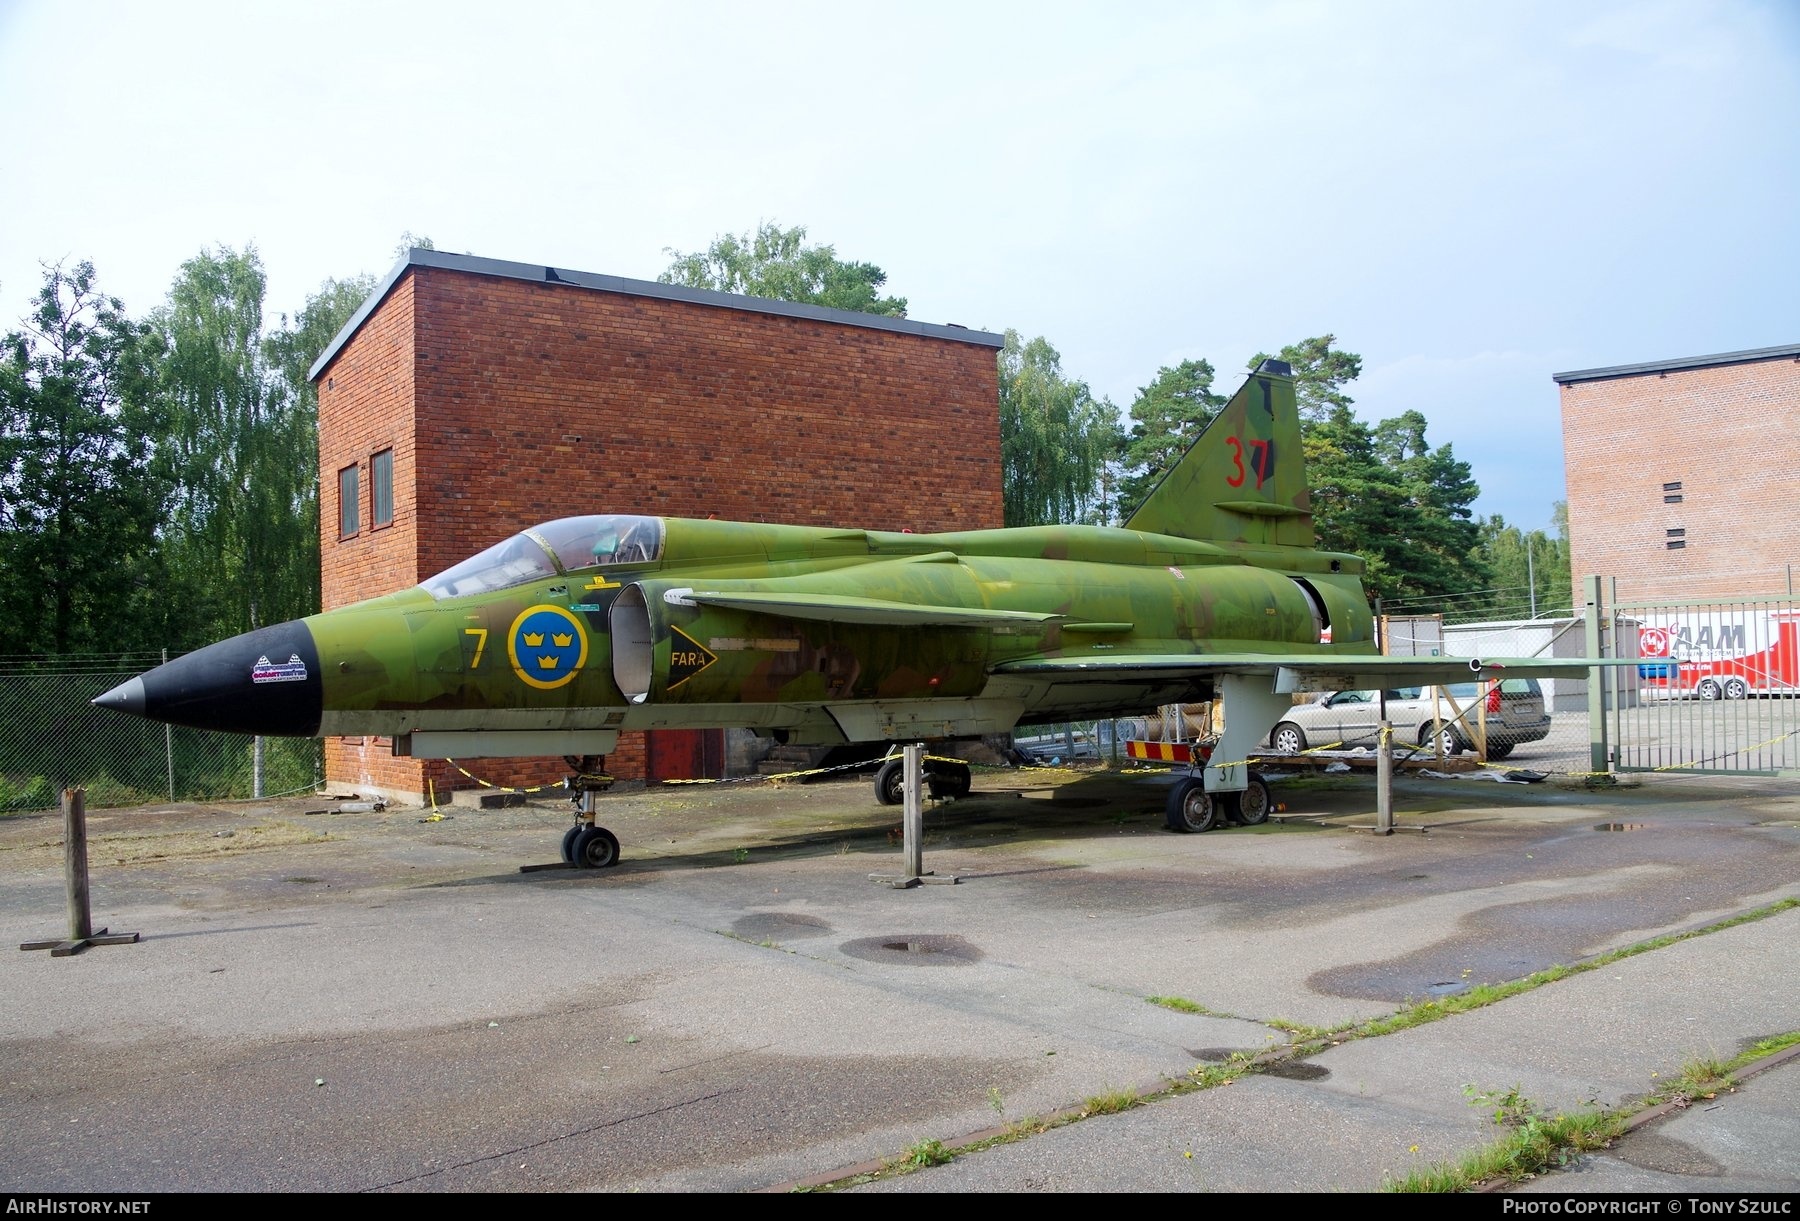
(82, 932)
(75, 864)
(912, 827)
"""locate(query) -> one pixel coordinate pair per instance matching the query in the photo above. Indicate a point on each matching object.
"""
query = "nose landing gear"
(586, 845)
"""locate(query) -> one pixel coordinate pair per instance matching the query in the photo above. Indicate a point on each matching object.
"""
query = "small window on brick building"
(1675, 532)
(1676, 544)
(1672, 487)
(381, 489)
(348, 493)
(1672, 498)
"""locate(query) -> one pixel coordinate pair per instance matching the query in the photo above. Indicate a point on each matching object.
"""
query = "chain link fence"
(52, 738)
(1565, 746)
(1717, 690)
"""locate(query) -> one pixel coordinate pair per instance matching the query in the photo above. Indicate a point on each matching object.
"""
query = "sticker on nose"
(293, 670)
(547, 646)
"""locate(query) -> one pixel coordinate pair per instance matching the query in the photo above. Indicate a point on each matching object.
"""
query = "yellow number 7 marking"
(480, 634)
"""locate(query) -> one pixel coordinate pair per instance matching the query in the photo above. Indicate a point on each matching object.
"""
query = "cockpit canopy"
(567, 545)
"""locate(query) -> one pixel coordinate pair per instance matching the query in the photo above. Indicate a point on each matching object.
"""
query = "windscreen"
(519, 559)
(565, 545)
(616, 538)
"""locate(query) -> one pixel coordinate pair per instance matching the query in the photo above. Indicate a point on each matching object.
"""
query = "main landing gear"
(585, 845)
(1251, 703)
(943, 780)
(1191, 809)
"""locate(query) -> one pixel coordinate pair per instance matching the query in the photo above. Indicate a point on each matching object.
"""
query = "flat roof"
(1669, 366)
(540, 274)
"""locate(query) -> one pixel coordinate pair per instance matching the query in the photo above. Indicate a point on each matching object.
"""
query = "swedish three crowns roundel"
(547, 646)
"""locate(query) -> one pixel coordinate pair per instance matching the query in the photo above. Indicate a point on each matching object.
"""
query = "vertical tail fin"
(1243, 479)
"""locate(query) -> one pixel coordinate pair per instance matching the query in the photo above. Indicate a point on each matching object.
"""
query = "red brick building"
(1684, 475)
(469, 398)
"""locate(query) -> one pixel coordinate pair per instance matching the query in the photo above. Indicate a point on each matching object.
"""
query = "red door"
(684, 754)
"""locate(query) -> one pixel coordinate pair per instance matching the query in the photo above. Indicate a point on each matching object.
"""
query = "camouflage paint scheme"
(1212, 589)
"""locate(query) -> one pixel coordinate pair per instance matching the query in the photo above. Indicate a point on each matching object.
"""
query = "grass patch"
(125, 848)
(1180, 1004)
(928, 1153)
(1111, 1103)
(1238, 1064)
(115, 849)
(1533, 1141)
(1765, 1047)
(1488, 994)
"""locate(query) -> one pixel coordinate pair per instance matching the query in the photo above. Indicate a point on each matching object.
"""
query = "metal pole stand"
(82, 932)
(1384, 781)
(913, 828)
(1384, 787)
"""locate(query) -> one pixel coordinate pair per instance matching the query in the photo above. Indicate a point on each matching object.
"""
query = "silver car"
(1511, 711)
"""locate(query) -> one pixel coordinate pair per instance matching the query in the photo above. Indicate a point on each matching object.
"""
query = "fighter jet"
(555, 640)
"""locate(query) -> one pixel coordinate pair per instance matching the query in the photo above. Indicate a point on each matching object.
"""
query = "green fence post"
(1598, 762)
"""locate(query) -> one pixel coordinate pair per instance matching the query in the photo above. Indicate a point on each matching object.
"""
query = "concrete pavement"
(370, 1002)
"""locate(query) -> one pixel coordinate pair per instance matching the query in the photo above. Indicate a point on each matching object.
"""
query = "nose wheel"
(593, 848)
(586, 845)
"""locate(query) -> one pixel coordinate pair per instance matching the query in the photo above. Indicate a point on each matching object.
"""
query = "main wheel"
(1251, 807)
(1190, 807)
(1446, 738)
(1708, 690)
(595, 848)
(890, 782)
(1288, 738)
(568, 843)
(1736, 689)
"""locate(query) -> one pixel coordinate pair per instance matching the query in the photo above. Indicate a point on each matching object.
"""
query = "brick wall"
(539, 401)
(1729, 435)
(365, 407)
(535, 401)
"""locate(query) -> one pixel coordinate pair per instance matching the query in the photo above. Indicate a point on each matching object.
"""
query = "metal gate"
(1716, 688)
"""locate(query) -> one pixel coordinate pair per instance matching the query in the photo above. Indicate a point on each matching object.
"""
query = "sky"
(1472, 197)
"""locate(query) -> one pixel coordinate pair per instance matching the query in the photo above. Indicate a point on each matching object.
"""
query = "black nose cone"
(263, 682)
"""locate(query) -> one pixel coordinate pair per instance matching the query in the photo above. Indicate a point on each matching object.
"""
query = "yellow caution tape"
(539, 788)
(817, 771)
(1671, 767)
